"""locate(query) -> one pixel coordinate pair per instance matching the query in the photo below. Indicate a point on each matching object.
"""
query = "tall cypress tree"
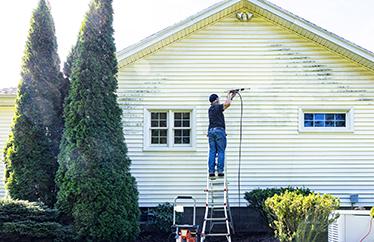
(96, 188)
(31, 152)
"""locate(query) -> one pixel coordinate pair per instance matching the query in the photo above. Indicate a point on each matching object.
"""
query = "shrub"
(372, 212)
(20, 210)
(96, 189)
(301, 218)
(163, 217)
(31, 221)
(256, 199)
(30, 154)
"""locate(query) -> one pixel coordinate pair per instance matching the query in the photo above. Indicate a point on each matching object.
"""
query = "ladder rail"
(213, 204)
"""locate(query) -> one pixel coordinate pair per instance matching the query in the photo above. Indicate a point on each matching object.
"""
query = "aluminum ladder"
(217, 209)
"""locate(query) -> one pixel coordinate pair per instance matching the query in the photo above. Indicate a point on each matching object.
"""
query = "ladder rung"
(216, 190)
(217, 235)
(217, 207)
(216, 219)
(220, 222)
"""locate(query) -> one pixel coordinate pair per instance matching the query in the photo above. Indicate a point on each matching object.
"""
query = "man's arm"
(229, 98)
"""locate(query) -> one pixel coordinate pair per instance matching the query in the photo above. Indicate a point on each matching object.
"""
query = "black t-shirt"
(216, 118)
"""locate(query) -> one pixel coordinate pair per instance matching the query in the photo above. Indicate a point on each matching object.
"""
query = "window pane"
(154, 123)
(163, 140)
(308, 116)
(154, 140)
(186, 123)
(155, 132)
(177, 115)
(340, 124)
(177, 140)
(330, 117)
(186, 115)
(163, 116)
(186, 140)
(163, 123)
(177, 123)
(319, 116)
(329, 123)
(154, 115)
(340, 116)
(178, 132)
(319, 124)
(163, 132)
(308, 124)
(186, 132)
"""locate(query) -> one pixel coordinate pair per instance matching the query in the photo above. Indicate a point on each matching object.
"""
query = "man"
(217, 133)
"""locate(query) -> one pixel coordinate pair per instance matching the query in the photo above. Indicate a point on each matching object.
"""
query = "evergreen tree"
(31, 152)
(96, 189)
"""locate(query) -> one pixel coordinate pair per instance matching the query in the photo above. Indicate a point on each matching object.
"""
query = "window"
(169, 129)
(326, 120)
(159, 128)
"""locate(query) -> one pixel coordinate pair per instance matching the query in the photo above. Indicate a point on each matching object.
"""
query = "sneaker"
(211, 175)
(221, 174)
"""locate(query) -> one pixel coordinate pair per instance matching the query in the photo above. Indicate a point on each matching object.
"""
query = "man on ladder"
(217, 209)
(217, 133)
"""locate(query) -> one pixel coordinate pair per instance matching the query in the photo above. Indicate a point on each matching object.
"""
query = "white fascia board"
(163, 34)
(314, 29)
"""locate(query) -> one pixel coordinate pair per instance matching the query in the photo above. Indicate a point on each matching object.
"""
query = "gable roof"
(261, 8)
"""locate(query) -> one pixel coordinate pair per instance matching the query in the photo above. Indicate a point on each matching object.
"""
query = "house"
(7, 102)
(307, 117)
(307, 107)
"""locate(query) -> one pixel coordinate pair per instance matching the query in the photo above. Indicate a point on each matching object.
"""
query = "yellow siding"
(6, 116)
(285, 72)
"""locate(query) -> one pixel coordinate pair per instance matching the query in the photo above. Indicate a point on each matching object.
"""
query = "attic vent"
(244, 16)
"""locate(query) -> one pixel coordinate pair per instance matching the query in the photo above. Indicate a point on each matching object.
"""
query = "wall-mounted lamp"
(244, 16)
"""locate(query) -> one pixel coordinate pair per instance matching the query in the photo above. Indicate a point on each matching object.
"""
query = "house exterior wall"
(6, 116)
(286, 73)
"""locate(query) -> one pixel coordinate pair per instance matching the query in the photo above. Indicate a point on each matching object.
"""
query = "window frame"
(348, 111)
(170, 145)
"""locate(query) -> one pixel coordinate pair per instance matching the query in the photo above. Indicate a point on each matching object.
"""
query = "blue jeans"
(217, 146)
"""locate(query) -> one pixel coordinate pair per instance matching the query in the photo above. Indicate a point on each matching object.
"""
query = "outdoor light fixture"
(244, 16)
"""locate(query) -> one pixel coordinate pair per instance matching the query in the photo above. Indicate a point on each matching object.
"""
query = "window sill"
(324, 130)
(171, 149)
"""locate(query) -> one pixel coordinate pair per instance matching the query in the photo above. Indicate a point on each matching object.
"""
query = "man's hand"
(230, 96)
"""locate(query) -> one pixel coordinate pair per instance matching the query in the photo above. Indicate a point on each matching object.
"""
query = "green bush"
(96, 189)
(301, 218)
(256, 199)
(30, 154)
(163, 217)
(20, 210)
(31, 221)
(35, 231)
(372, 212)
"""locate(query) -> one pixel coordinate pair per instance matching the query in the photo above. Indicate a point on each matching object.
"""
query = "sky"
(135, 20)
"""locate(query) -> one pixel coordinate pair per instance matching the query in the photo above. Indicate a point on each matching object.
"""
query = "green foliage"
(19, 210)
(301, 218)
(96, 189)
(163, 217)
(31, 221)
(30, 154)
(256, 199)
(372, 212)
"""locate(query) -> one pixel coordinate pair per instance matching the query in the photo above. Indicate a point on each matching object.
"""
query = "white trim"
(170, 146)
(349, 120)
